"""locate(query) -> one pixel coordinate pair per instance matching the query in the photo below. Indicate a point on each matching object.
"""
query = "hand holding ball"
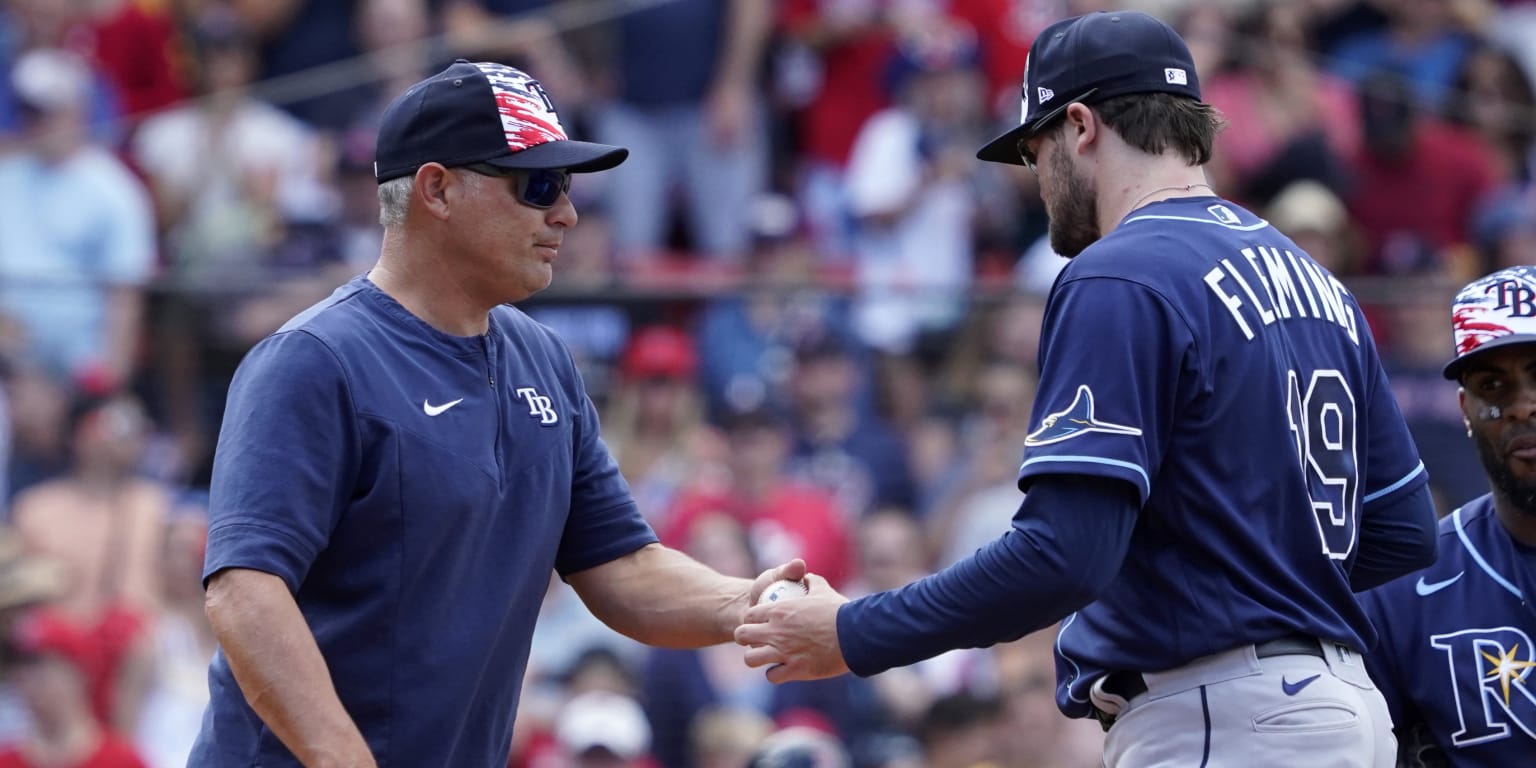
(783, 589)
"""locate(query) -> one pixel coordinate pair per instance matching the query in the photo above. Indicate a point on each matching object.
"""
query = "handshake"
(790, 625)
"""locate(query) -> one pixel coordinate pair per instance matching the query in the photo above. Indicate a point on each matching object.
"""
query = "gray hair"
(395, 196)
(394, 199)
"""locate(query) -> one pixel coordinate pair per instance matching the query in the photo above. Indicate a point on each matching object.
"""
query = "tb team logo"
(539, 406)
(1499, 305)
(527, 114)
(1491, 678)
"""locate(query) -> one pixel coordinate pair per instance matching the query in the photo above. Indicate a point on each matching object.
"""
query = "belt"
(1129, 685)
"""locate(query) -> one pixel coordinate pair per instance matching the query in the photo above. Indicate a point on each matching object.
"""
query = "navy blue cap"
(1089, 59)
(481, 112)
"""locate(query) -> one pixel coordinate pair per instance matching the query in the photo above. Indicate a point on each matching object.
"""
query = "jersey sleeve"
(1112, 355)
(1392, 468)
(604, 522)
(286, 461)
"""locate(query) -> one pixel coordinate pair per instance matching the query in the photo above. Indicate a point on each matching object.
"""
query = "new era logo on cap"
(1046, 94)
(1491, 312)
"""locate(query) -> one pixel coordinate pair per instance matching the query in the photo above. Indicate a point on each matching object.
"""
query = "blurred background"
(807, 313)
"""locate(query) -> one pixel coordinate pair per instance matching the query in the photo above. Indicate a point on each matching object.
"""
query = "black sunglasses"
(1027, 156)
(539, 188)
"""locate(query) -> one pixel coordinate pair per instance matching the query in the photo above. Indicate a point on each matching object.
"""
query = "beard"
(1521, 494)
(1074, 223)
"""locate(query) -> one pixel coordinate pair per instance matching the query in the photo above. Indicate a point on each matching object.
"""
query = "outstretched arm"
(660, 596)
(1066, 545)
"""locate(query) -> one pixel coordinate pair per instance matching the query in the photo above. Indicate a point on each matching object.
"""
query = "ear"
(1082, 128)
(432, 185)
(1461, 399)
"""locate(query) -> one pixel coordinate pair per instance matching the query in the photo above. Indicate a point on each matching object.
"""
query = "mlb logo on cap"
(1089, 59)
(1494, 311)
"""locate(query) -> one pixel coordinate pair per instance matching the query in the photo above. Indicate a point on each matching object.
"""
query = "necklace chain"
(1183, 187)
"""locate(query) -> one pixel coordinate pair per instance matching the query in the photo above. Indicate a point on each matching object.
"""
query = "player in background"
(1457, 657)
(402, 465)
(1217, 463)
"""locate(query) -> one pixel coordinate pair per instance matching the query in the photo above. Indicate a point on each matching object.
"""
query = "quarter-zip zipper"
(490, 379)
(490, 359)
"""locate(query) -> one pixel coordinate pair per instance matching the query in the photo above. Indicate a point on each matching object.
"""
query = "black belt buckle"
(1127, 686)
(1105, 719)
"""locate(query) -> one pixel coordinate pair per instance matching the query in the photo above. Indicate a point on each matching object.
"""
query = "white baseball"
(783, 589)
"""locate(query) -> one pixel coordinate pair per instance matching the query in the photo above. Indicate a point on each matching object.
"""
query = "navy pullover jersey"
(1456, 661)
(1200, 356)
(414, 489)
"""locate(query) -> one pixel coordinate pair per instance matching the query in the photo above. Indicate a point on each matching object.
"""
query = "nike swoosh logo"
(1425, 589)
(1291, 689)
(433, 410)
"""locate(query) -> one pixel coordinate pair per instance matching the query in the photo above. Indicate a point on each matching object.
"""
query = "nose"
(1522, 406)
(563, 212)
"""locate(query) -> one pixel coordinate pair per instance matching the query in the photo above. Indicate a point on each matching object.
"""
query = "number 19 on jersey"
(1322, 420)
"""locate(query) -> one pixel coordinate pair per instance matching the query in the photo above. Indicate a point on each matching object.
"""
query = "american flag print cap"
(481, 112)
(1493, 311)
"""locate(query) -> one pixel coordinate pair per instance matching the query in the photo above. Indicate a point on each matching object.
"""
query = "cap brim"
(1454, 368)
(1005, 148)
(574, 156)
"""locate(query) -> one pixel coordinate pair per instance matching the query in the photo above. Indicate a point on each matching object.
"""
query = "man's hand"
(793, 570)
(797, 637)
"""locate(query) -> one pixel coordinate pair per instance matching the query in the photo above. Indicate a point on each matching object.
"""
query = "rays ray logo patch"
(1074, 420)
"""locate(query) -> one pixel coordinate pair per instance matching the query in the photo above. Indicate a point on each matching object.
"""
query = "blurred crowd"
(807, 313)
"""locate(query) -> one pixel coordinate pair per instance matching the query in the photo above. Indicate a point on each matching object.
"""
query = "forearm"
(662, 597)
(746, 37)
(267, 18)
(274, 658)
(1066, 545)
(125, 315)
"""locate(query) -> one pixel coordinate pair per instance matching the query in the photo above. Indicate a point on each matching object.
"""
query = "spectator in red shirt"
(1418, 181)
(135, 43)
(783, 517)
(850, 44)
(66, 734)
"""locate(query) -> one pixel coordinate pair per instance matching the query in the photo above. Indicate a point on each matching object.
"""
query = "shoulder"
(517, 324)
(333, 319)
(293, 358)
(100, 171)
(1476, 516)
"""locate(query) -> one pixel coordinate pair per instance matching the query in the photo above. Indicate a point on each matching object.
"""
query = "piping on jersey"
(1146, 483)
(1262, 224)
(1478, 557)
(1370, 497)
(1077, 671)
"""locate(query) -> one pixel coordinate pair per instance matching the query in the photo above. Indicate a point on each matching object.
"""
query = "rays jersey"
(1200, 356)
(1456, 656)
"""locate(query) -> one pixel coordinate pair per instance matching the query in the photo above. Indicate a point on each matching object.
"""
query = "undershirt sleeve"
(1065, 546)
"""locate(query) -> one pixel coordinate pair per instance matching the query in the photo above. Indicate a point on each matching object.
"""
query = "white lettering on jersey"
(539, 405)
(1491, 682)
(1277, 296)
(1233, 304)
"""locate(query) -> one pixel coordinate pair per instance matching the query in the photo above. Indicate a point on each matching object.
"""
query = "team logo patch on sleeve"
(1076, 419)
